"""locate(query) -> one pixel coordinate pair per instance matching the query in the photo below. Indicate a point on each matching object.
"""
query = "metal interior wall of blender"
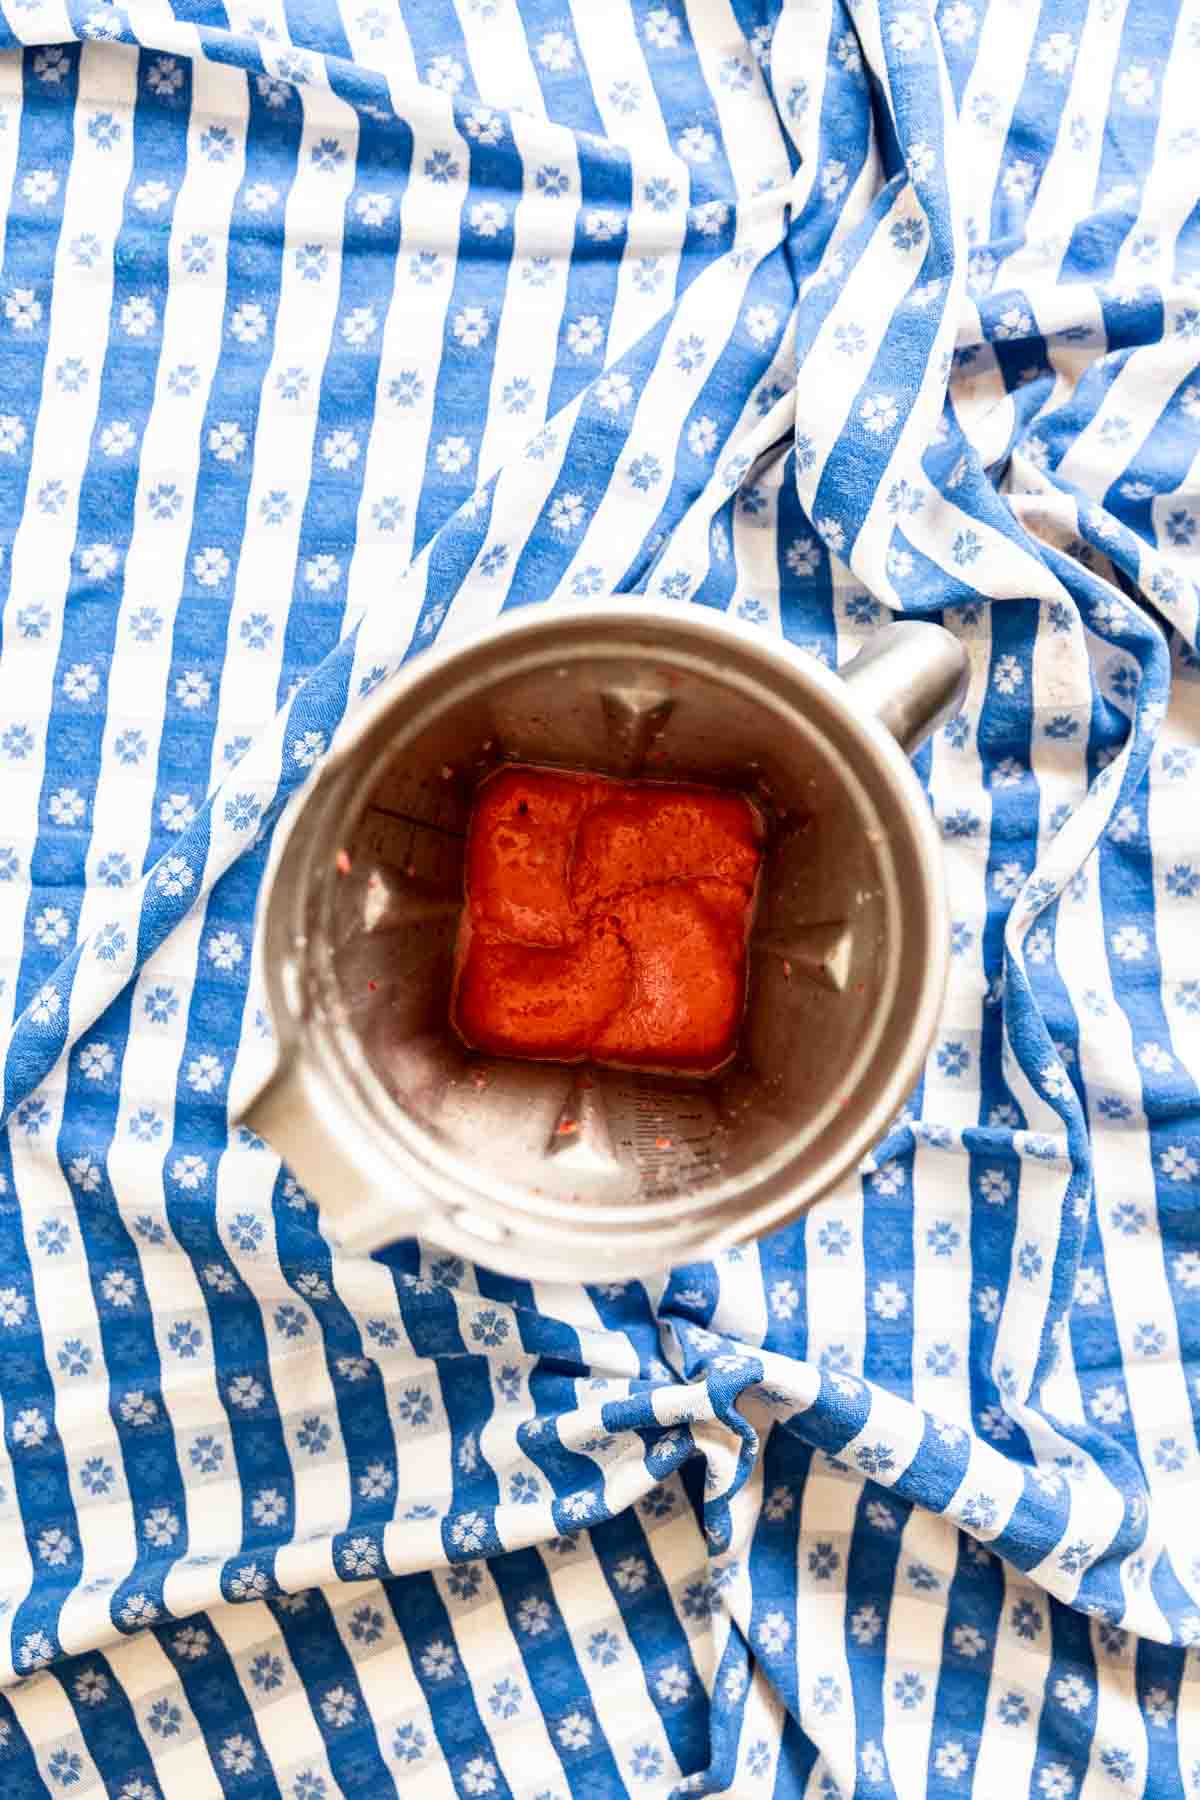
(814, 964)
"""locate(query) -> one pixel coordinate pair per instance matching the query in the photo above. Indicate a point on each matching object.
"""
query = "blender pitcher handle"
(288, 1112)
(912, 677)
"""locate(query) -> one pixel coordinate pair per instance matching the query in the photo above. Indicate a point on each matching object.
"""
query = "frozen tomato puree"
(606, 920)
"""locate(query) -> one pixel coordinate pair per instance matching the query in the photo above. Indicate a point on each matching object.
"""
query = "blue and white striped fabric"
(328, 331)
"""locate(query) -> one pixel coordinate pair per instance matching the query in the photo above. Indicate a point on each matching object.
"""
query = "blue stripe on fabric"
(1160, 1674)
(438, 34)
(716, 588)
(326, 1670)
(1101, 1592)
(1004, 742)
(872, 1562)
(555, 1675)
(605, 185)
(315, 712)
(348, 385)
(359, 1389)
(224, 1715)
(1035, 1527)
(625, 1307)
(692, 1291)
(47, 139)
(109, 1726)
(969, 1647)
(128, 1340)
(959, 47)
(731, 1680)
(451, 555)
(771, 1566)
(889, 1270)
(939, 1467)
(568, 1472)
(426, 1308)
(426, 1629)
(1174, 1600)
(1064, 425)
(858, 462)
(643, 1600)
(589, 466)
(20, 1765)
(316, 27)
(1123, 867)
(219, 518)
(783, 1258)
(741, 361)
(834, 1418)
(797, 1758)
(162, 907)
(1018, 347)
(567, 91)
(844, 137)
(510, 1290)
(127, 378)
(1164, 459)
(1068, 1718)
(1023, 160)
(480, 287)
(469, 1404)
(240, 1346)
(806, 605)
(682, 93)
(39, 1467)
(1128, 147)
(1095, 1347)
(914, 119)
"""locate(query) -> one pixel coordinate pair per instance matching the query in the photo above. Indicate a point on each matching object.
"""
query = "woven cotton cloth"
(326, 333)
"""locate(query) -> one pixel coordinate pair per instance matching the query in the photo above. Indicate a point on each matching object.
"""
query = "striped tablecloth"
(329, 330)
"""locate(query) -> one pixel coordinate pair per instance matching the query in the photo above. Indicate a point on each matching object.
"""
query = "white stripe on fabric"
(12, 93)
(526, 333)
(180, 1756)
(392, 1693)
(1120, 1723)
(751, 133)
(44, 1714)
(500, 59)
(303, 1389)
(413, 331)
(828, 1509)
(139, 1172)
(613, 52)
(914, 1652)
(1016, 1684)
(40, 554)
(62, 1294)
(988, 103)
(1075, 167)
(1123, 1176)
(617, 1694)
(14, 1545)
(491, 1654)
(1152, 246)
(286, 448)
(741, 1306)
(170, 451)
(1187, 1717)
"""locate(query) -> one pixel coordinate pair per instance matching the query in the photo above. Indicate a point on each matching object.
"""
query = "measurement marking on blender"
(390, 812)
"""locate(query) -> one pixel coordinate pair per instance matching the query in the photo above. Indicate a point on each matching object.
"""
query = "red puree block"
(606, 919)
